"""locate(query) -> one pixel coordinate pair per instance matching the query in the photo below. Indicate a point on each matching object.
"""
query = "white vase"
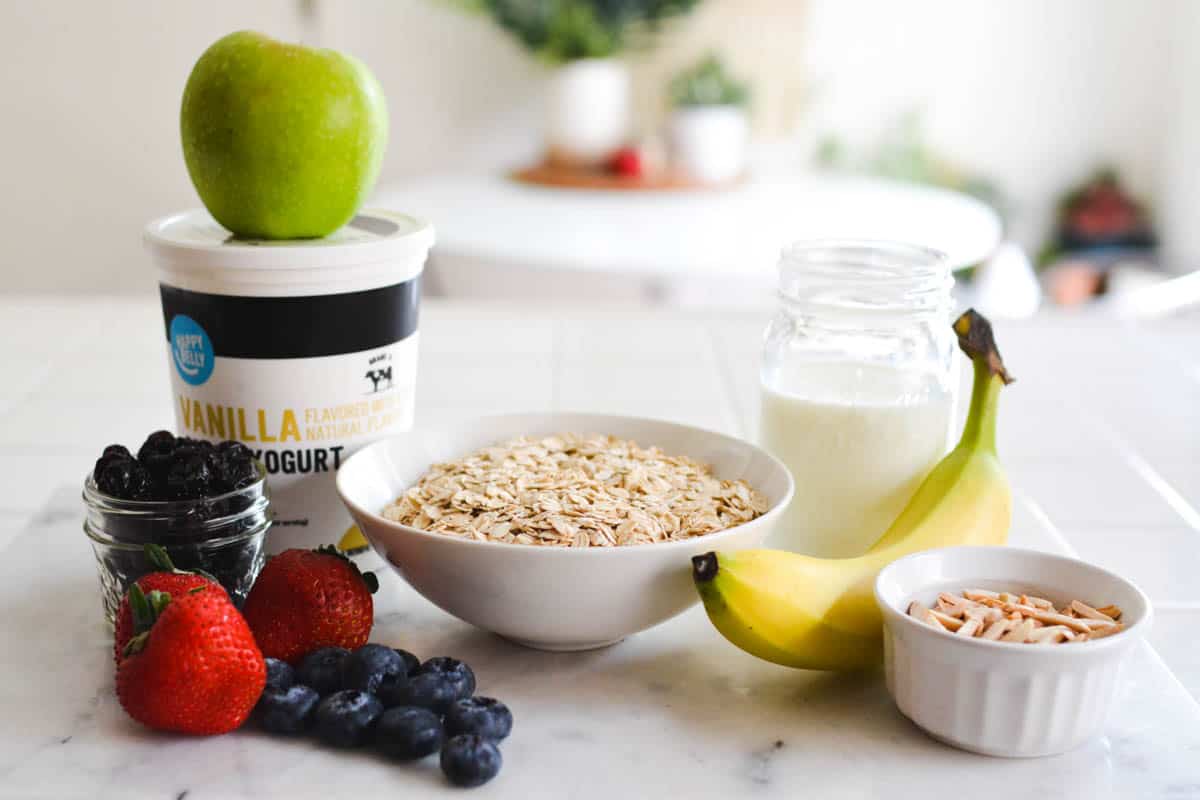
(708, 143)
(588, 111)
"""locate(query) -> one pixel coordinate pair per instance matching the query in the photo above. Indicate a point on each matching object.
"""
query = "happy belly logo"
(191, 350)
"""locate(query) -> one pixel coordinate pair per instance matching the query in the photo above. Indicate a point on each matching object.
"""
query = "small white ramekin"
(1002, 698)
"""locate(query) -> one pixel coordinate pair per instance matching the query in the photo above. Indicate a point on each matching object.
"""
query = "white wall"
(1033, 92)
(89, 140)
(1179, 198)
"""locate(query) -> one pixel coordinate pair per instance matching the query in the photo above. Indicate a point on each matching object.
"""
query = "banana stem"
(975, 338)
(979, 432)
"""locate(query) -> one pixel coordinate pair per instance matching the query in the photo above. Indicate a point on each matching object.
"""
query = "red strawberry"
(196, 670)
(169, 580)
(304, 600)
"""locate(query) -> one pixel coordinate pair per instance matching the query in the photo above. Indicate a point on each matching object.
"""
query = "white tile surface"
(1164, 561)
(1174, 637)
(1103, 492)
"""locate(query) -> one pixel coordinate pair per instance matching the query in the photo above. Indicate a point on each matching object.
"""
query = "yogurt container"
(305, 350)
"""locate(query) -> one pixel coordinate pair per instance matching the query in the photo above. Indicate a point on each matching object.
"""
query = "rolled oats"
(573, 490)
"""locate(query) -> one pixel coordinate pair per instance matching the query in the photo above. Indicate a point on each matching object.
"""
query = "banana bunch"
(815, 613)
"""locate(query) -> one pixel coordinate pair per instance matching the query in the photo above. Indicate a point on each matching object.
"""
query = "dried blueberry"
(235, 450)
(189, 477)
(235, 472)
(117, 450)
(408, 733)
(199, 445)
(123, 478)
(482, 716)
(159, 442)
(469, 760)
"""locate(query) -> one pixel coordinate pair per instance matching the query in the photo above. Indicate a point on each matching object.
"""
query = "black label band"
(298, 327)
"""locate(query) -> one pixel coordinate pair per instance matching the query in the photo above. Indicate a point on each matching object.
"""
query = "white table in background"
(497, 238)
(1099, 435)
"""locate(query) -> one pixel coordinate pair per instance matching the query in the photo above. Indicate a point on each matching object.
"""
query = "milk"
(858, 440)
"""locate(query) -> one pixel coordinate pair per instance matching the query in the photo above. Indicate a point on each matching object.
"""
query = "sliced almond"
(948, 622)
(954, 606)
(1107, 630)
(998, 629)
(1020, 632)
(985, 613)
(1017, 617)
(969, 627)
(1051, 635)
(1054, 618)
(1086, 611)
(922, 613)
(1037, 602)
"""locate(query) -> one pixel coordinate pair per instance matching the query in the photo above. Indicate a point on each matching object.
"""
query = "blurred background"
(1053, 149)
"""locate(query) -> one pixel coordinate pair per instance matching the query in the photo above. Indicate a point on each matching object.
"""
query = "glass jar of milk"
(858, 387)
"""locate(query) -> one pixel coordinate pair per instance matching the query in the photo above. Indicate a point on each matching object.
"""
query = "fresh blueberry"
(411, 663)
(345, 719)
(280, 674)
(287, 710)
(469, 760)
(366, 667)
(408, 733)
(322, 669)
(432, 690)
(482, 716)
(456, 672)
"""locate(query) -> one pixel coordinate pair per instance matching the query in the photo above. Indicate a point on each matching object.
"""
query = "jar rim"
(881, 258)
(871, 276)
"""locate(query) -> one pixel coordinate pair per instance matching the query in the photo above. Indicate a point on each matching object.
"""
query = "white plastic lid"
(375, 249)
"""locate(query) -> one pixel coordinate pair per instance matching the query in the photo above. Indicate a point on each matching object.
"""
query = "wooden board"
(577, 178)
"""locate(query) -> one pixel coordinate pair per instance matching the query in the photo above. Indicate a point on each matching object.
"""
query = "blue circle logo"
(191, 350)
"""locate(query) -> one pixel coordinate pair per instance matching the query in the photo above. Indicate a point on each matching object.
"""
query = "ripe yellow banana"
(816, 613)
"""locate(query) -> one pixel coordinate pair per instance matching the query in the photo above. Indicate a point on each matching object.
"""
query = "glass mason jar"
(222, 535)
(858, 386)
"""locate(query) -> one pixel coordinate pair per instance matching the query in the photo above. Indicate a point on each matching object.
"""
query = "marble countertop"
(1099, 435)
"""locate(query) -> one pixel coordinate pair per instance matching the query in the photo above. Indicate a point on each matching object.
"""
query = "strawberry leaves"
(146, 610)
(369, 578)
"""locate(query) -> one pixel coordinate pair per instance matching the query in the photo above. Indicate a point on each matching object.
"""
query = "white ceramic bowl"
(547, 597)
(1002, 698)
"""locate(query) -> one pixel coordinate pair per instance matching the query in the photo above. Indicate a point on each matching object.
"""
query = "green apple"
(282, 141)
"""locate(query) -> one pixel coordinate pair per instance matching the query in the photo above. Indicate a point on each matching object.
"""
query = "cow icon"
(379, 376)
